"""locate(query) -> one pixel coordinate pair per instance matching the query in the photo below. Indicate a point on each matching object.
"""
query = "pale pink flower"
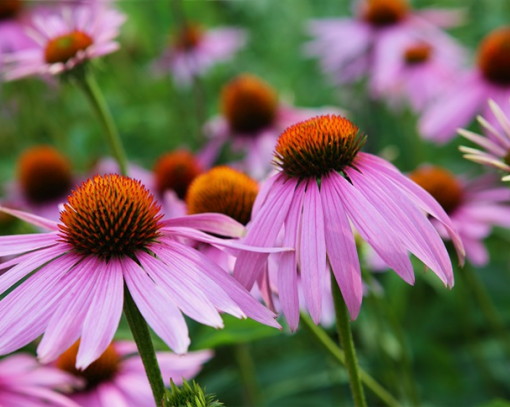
(496, 143)
(414, 73)
(65, 40)
(24, 382)
(387, 209)
(14, 16)
(118, 377)
(195, 50)
(474, 206)
(350, 48)
(110, 235)
(252, 119)
(468, 95)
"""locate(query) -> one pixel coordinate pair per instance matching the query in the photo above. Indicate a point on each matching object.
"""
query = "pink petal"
(341, 247)
(24, 243)
(287, 269)
(158, 310)
(373, 228)
(172, 278)
(264, 229)
(313, 250)
(209, 222)
(32, 219)
(65, 325)
(103, 315)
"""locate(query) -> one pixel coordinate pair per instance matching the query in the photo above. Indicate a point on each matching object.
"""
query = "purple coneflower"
(496, 144)
(64, 41)
(24, 382)
(350, 48)
(323, 184)
(416, 74)
(13, 17)
(195, 50)
(490, 79)
(252, 119)
(111, 235)
(118, 378)
(474, 206)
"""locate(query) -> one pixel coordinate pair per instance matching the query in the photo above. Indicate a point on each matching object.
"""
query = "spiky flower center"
(9, 9)
(223, 190)
(317, 146)
(249, 104)
(417, 54)
(494, 57)
(189, 37)
(44, 174)
(441, 184)
(176, 171)
(64, 47)
(110, 216)
(100, 371)
(382, 13)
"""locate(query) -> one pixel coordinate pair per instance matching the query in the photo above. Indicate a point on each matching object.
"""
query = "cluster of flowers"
(189, 239)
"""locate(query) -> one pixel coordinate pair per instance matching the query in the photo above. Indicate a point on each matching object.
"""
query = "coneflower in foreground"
(324, 183)
(111, 234)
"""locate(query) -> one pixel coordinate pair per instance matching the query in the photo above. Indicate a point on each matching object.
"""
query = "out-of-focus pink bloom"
(496, 144)
(118, 377)
(490, 79)
(386, 208)
(474, 206)
(111, 234)
(24, 382)
(414, 72)
(350, 48)
(195, 50)
(66, 40)
(13, 18)
(252, 119)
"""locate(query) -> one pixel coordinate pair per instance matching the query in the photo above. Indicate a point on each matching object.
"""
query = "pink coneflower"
(13, 16)
(474, 206)
(252, 119)
(118, 378)
(111, 234)
(386, 208)
(490, 79)
(24, 382)
(195, 50)
(496, 144)
(350, 48)
(67, 40)
(44, 180)
(416, 74)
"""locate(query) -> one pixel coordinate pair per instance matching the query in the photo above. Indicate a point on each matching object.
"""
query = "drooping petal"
(373, 228)
(32, 219)
(157, 308)
(65, 325)
(264, 230)
(103, 315)
(16, 244)
(287, 269)
(209, 222)
(341, 247)
(172, 278)
(313, 250)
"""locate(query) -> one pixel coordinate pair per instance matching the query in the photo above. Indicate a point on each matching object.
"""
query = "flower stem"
(487, 307)
(143, 340)
(343, 326)
(248, 374)
(329, 345)
(89, 86)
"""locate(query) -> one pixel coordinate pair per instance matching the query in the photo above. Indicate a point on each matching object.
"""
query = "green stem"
(329, 345)
(343, 325)
(88, 84)
(142, 337)
(487, 307)
(248, 374)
